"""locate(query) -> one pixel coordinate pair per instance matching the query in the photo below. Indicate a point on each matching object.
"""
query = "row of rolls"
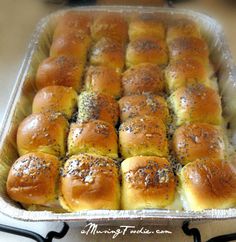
(127, 116)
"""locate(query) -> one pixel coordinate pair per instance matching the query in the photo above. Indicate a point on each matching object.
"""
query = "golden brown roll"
(103, 79)
(141, 105)
(146, 25)
(183, 28)
(196, 103)
(94, 137)
(107, 52)
(73, 21)
(147, 182)
(184, 72)
(143, 136)
(62, 70)
(198, 141)
(33, 179)
(45, 132)
(55, 99)
(72, 43)
(89, 182)
(148, 50)
(208, 184)
(93, 106)
(110, 25)
(143, 78)
(190, 48)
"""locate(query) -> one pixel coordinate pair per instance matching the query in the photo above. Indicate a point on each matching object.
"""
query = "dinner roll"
(89, 182)
(45, 132)
(62, 70)
(208, 184)
(199, 140)
(103, 79)
(56, 99)
(143, 78)
(107, 52)
(110, 25)
(147, 182)
(94, 105)
(94, 137)
(143, 136)
(146, 25)
(141, 105)
(184, 72)
(196, 103)
(32, 179)
(146, 49)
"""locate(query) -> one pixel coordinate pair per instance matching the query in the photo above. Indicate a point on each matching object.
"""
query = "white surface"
(17, 21)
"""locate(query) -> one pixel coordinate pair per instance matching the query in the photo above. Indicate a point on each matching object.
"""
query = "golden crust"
(44, 132)
(147, 182)
(62, 70)
(199, 140)
(143, 136)
(208, 184)
(90, 182)
(143, 78)
(32, 179)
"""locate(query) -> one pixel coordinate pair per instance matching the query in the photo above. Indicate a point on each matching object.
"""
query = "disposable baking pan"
(20, 106)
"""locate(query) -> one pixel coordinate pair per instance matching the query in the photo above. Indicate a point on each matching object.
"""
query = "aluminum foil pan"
(20, 106)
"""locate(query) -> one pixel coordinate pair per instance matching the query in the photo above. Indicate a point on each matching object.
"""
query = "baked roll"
(143, 78)
(208, 184)
(147, 182)
(143, 136)
(196, 103)
(107, 52)
(62, 70)
(141, 105)
(198, 141)
(56, 99)
(103, 79)
(72, 43)
(184, 72)
(93, 106)
(183, 28)
(146, 49)
(110, 25)
(45, 132)
(94, 137)
(89, 182)
(32, 179)
(146, 25)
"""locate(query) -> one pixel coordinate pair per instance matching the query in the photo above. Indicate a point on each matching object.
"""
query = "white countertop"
(17, 22)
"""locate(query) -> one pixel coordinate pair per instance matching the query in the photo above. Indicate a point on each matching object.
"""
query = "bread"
(146, 49)
(196, 103)
(94, 137)
(143, 78)
(143, 136)
(93, 106)
(184, 72)
(32, 179)
(146, 25)
(89, 182)
(55, 99)
(103, 79)
(147, 182)
(62, 70)
(110, 25)
(208, 184)
(198, 141)
(141, 105)
(107, 52)
(44, 132)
